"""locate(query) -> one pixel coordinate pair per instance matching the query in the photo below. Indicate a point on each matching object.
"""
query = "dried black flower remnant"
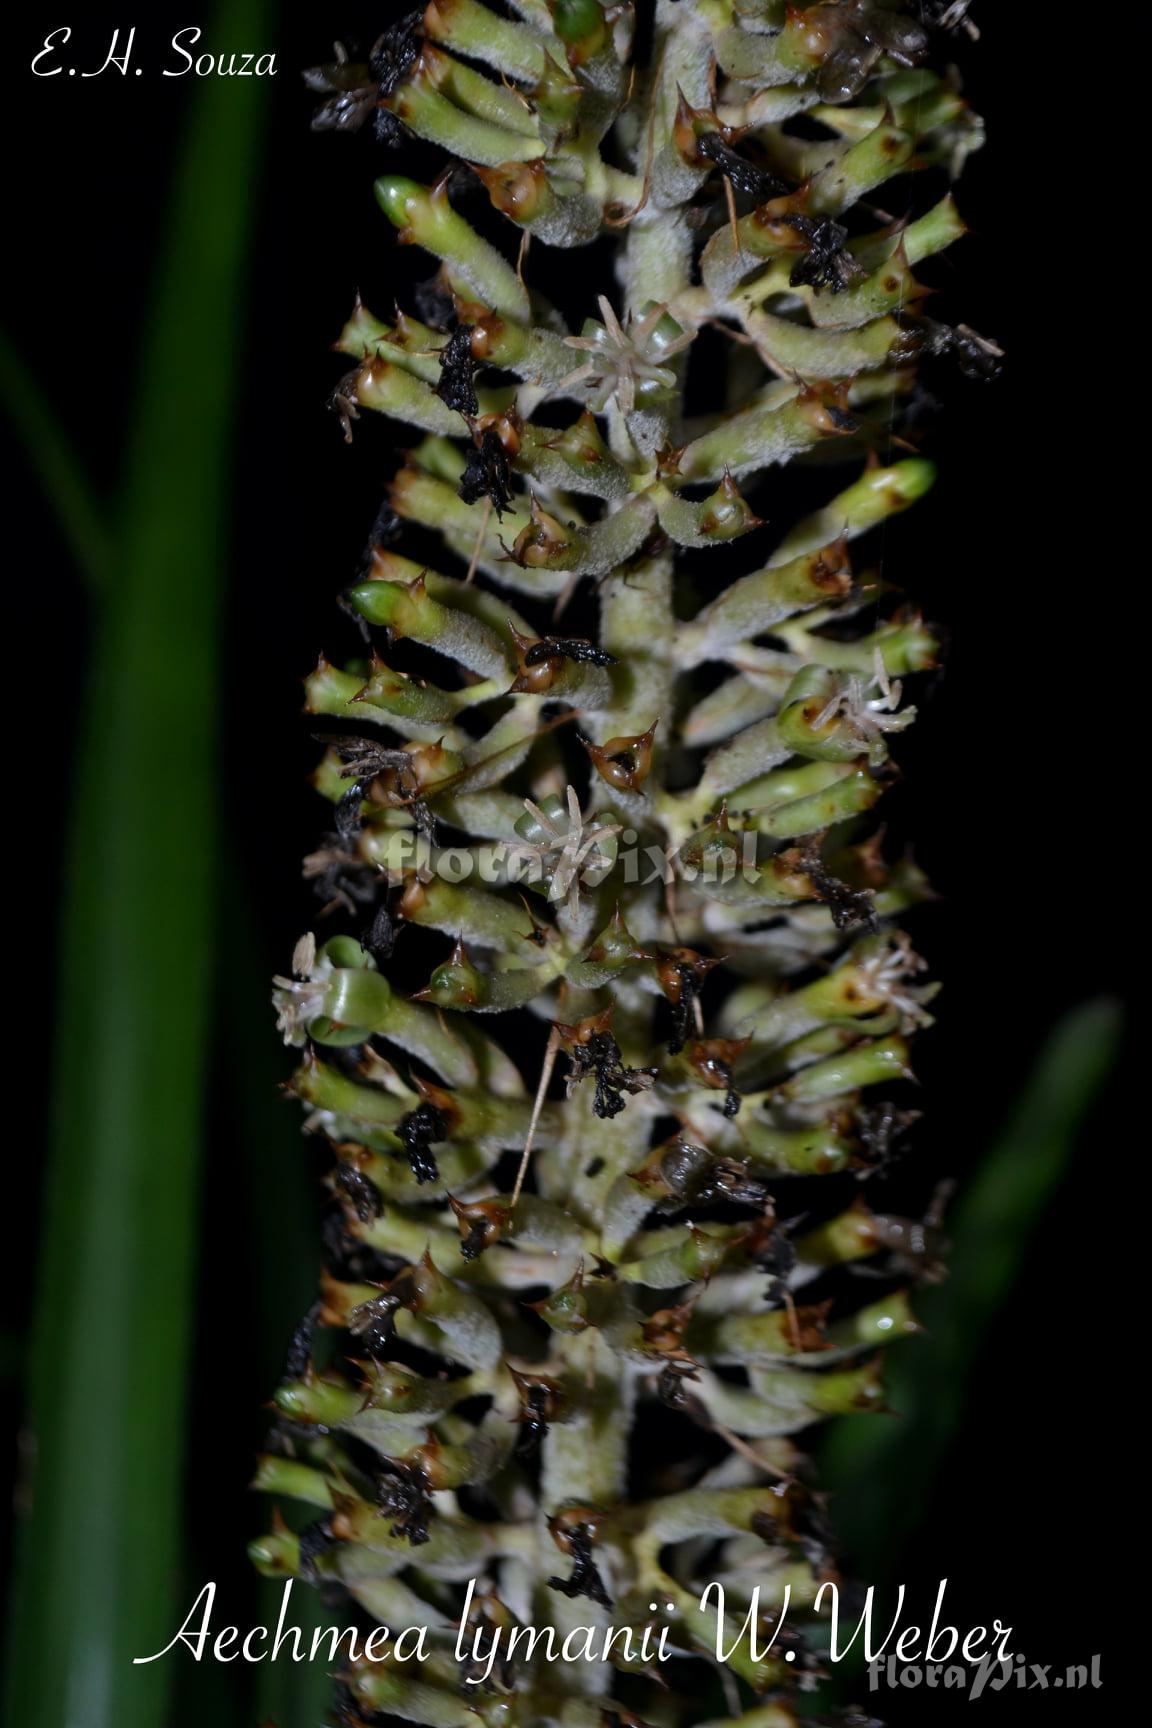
(394, 52)
(475, 1240)
(356, 90)
(418, 1132)
(486, 1667)
(850, 907)
(487, 472)
(365, 761)
(480, 1222)
(540, 1403)
(758, 183)
(315, 1540)
(778, 1259)
(864, 31)
(374, 1324)
(917, 1246)
(533, 1427)
(352, 96)
(379, 939)
(585, 1579)
(343, 402)
(456, 386)
(598, 1054)
(946, 14)
(403, 1494)
(698, 1177)
(576, 648)
(300, 1346)
(363, 1194)
(681, 973)
(364, 758)
(682, 1012)
(347, 813)
(385, 531)
(340, 878)
(881, 1129)
(673, 1391)
(825, 263)
(977, 357)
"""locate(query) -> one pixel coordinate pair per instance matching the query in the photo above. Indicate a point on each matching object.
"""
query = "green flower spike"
(621, 959)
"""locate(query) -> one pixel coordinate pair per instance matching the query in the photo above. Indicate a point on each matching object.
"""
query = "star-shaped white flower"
(625, 361)
(866, 716)
(888, 970)
(570, 851)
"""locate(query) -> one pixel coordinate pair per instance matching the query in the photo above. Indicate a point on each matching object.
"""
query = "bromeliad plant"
(605, 781)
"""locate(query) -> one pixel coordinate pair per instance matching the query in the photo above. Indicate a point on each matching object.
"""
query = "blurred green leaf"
(99, 1565)
(55, 464)
(291, 1695)
(881, 1472)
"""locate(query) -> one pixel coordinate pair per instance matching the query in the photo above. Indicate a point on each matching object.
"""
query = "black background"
(1009, 793)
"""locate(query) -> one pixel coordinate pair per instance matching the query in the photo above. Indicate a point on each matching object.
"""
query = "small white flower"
(297, 1004)
(625, 362)
(887, 971)
(570, 851)
(868, 717)
(301, 999)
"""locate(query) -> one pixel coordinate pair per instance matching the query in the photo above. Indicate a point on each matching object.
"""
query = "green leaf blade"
(98, 1580)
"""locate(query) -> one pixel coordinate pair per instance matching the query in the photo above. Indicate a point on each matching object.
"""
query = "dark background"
(1005, 770)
